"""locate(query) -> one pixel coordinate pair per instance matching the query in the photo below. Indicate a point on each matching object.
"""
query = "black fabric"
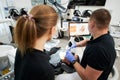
(100, 54)
(57, 68)
(67, 68)
(33, 66)
(53, 50)
(61, 67)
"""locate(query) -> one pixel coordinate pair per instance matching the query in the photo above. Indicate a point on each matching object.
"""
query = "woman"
(31, 33)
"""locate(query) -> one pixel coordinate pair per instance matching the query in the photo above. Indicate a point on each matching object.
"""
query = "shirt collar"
(98, 39)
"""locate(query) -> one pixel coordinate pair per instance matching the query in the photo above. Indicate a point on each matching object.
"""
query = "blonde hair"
(33, 26)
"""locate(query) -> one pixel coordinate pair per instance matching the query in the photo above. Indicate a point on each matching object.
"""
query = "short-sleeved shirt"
(100, 54)
(34, 65)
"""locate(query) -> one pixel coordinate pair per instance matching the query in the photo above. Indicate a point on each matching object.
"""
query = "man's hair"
(101, 17)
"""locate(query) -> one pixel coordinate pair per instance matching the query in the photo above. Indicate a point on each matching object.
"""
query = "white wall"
(3, 3)
(16, 3)
(113, 6)
(23, 4)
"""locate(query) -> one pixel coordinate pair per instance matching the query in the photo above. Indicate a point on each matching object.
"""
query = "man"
(99, 54)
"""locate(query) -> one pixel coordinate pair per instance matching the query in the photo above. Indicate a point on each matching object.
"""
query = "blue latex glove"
(69, 56)
(73, 46)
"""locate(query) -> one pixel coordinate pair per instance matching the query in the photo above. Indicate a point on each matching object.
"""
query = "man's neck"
(99, 33)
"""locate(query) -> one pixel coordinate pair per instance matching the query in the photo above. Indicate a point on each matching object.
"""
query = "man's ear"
(53, 30)
(93, 24)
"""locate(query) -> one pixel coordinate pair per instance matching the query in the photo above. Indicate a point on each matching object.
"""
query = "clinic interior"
(71, 13)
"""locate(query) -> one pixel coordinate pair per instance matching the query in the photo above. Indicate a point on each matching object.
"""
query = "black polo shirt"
(34, 65)
(100, 54)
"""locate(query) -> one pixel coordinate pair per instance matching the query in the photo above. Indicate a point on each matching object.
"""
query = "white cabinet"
(115, 32)
(5, 34)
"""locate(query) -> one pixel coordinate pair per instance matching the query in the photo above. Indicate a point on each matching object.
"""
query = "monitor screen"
(76, 29)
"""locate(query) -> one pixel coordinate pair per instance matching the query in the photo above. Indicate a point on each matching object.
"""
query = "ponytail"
(25, 33)
(31, 27)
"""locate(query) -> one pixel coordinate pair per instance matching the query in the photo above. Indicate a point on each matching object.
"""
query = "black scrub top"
(100, 54)
(34, 65)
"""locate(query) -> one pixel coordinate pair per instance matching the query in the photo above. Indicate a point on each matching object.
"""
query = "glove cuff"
(73, 62)
(73, 46)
